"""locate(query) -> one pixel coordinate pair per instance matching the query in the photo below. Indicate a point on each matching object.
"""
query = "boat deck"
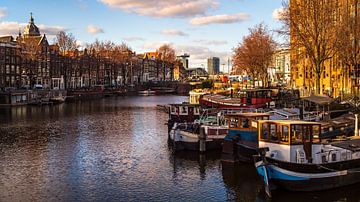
(352, 145)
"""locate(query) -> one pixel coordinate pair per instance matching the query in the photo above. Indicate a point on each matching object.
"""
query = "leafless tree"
(66, 42)
(312, 32)
(348, 36)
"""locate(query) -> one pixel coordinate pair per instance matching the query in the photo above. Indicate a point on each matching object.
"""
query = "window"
(284, 137)
(264, 135)
(316, 133)
(184, 110)
(296, 134)
(245, 123)
(234, 122)
(273, 133)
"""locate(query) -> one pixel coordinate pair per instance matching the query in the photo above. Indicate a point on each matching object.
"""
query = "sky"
(201, 28)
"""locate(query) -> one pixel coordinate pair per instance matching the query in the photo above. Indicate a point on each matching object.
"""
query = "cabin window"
(174, 110)
(234, 123)
(307, 133)
(196, 111)
(284, 134)
(273, 133)
(264, 135)
(296, 134)
(183, 110)
(316, 133)
(245, 123)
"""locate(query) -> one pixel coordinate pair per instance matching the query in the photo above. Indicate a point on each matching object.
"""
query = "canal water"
(115, 149)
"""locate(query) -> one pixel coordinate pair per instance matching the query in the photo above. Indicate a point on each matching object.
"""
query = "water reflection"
(116, 149)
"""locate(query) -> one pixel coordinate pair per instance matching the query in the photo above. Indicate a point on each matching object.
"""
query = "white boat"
(293, 156)
(185, 136)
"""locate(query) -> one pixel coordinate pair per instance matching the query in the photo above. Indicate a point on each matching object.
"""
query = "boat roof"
(290, 122)
(352, 145)
(247, 114)
(319, 99)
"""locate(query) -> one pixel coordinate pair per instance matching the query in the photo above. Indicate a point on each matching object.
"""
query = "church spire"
(31, 18)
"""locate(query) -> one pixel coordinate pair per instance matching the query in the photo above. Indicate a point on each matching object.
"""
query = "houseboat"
(253, 98)
(241, 142)
(183, 113)
(293, 156)
(188, 136)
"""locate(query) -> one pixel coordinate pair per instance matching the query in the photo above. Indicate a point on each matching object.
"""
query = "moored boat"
(241, 142)
(293, 156)
(186, 136)
(253, 98)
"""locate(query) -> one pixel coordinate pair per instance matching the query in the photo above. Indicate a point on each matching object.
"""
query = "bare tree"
(66, 42)
(254, 54)
(31, 52)
(348, 37)
(312, 32)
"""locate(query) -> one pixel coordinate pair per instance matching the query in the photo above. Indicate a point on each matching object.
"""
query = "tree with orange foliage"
(166, 54)
(254, 54)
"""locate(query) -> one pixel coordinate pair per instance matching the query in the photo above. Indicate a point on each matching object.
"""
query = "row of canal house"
(29, 60)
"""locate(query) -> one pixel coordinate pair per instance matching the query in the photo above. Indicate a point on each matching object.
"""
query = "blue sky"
(202, 28)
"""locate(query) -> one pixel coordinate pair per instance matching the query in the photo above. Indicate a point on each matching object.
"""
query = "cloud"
(133, 38)
(173, 32)
(277, 13)
(50, 30)
(160, 8)
(92, 29)
(220, 19)
(3, 12)
(211, 42)
(12, 28)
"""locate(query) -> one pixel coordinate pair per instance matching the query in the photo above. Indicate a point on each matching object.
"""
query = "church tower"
(31, 30)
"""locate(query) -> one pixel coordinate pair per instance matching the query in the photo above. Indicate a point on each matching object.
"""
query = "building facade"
(279, 70)
(10, 63)
(213, 65)
(337, 77)
(184, 59)
(30, 61)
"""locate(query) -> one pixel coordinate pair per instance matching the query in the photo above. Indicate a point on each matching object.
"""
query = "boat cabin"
(184, 112)
(290, 140)
(194, 96)
(255, 97)
(243, 125)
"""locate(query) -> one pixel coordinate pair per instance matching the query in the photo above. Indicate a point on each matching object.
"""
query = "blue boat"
(241, 142)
